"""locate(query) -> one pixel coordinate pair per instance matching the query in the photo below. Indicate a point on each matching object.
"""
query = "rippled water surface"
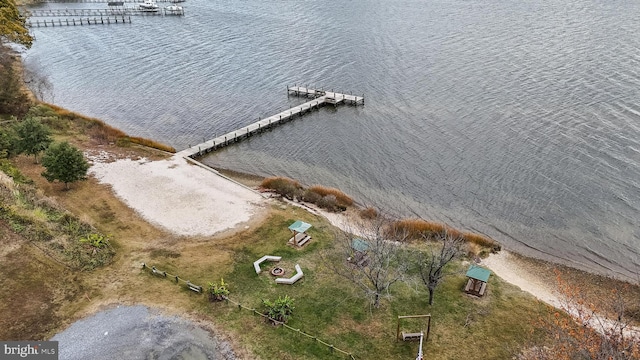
(516, 119)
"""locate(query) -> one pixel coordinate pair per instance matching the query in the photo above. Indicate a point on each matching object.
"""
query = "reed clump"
(286, 187)
(342, 198)
(330, 199)
(369, 213)
(418, 229)
(482, 241)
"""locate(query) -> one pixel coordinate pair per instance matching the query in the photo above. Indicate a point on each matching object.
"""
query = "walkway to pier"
(320, 98)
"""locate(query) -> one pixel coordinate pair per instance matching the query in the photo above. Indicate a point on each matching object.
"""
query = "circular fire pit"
(277, 271)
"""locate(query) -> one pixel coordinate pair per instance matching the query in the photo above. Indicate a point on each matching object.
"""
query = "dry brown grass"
(369, 213)
(104, 133)
(482, 241)
(278, 181)
(418, 228)
(342, 198)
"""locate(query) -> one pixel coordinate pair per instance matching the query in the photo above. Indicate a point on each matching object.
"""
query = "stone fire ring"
(277, 271)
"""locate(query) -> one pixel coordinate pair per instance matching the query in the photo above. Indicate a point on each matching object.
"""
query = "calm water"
(516, 119)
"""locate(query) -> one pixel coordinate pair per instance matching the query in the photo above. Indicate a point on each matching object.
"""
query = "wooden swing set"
(414, 336)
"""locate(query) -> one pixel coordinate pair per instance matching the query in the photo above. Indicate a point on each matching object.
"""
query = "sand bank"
(177, 196)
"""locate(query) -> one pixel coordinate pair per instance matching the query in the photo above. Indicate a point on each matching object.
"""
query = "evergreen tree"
(65, 163)
(7, 142)
(32, 137)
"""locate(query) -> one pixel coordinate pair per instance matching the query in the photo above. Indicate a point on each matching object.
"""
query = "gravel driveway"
(137, 332)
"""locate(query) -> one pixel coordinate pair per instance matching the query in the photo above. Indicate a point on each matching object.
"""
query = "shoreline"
(252, 180)
(538, 277)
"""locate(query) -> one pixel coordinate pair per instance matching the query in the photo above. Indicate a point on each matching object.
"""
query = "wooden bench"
(293, 279)
(256, 264)
(473, 288)
(194, 287)
(411, 336)
(158, 272)
(468, 287)
(482, 289)
(300, 238)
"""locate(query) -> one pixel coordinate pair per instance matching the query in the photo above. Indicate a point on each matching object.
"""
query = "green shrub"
(279, 310)
(96, 240)
(8, 168)
(218, 292)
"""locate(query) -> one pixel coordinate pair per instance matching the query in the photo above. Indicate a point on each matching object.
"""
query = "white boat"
(148, 5)
(173, 9)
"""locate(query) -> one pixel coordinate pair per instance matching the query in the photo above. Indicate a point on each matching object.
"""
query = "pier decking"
(319, 98)
(111, 11)
(102, 20)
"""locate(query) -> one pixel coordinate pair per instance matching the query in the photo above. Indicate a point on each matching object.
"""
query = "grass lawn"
(333, 310)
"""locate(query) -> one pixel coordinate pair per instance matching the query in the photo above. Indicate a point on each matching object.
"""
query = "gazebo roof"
(299, 226)
(359, 245)
(478, 273)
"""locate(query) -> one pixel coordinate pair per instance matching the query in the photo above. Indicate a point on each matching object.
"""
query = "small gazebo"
(478, 278)
(299, 230)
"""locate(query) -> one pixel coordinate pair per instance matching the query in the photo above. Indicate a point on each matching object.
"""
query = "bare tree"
(381, 262)
(432, 263)
(600, 331)
(36, 80)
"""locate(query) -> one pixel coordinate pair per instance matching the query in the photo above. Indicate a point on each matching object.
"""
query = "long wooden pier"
(319, 99)
(103, 1)
(111, 11)
(80, 21)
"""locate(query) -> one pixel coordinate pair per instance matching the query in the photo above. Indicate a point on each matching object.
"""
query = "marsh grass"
(342, 198)
(417, 229)
(369, 213)
(327, 198)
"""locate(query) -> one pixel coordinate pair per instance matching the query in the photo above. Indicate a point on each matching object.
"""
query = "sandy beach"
(180, 197)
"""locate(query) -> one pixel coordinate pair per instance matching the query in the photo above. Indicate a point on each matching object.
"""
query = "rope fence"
(176, 278)
(198, 289)
(298, 331)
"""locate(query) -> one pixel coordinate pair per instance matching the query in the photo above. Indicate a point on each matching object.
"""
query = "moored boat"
(174, 9)
(148, 5)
